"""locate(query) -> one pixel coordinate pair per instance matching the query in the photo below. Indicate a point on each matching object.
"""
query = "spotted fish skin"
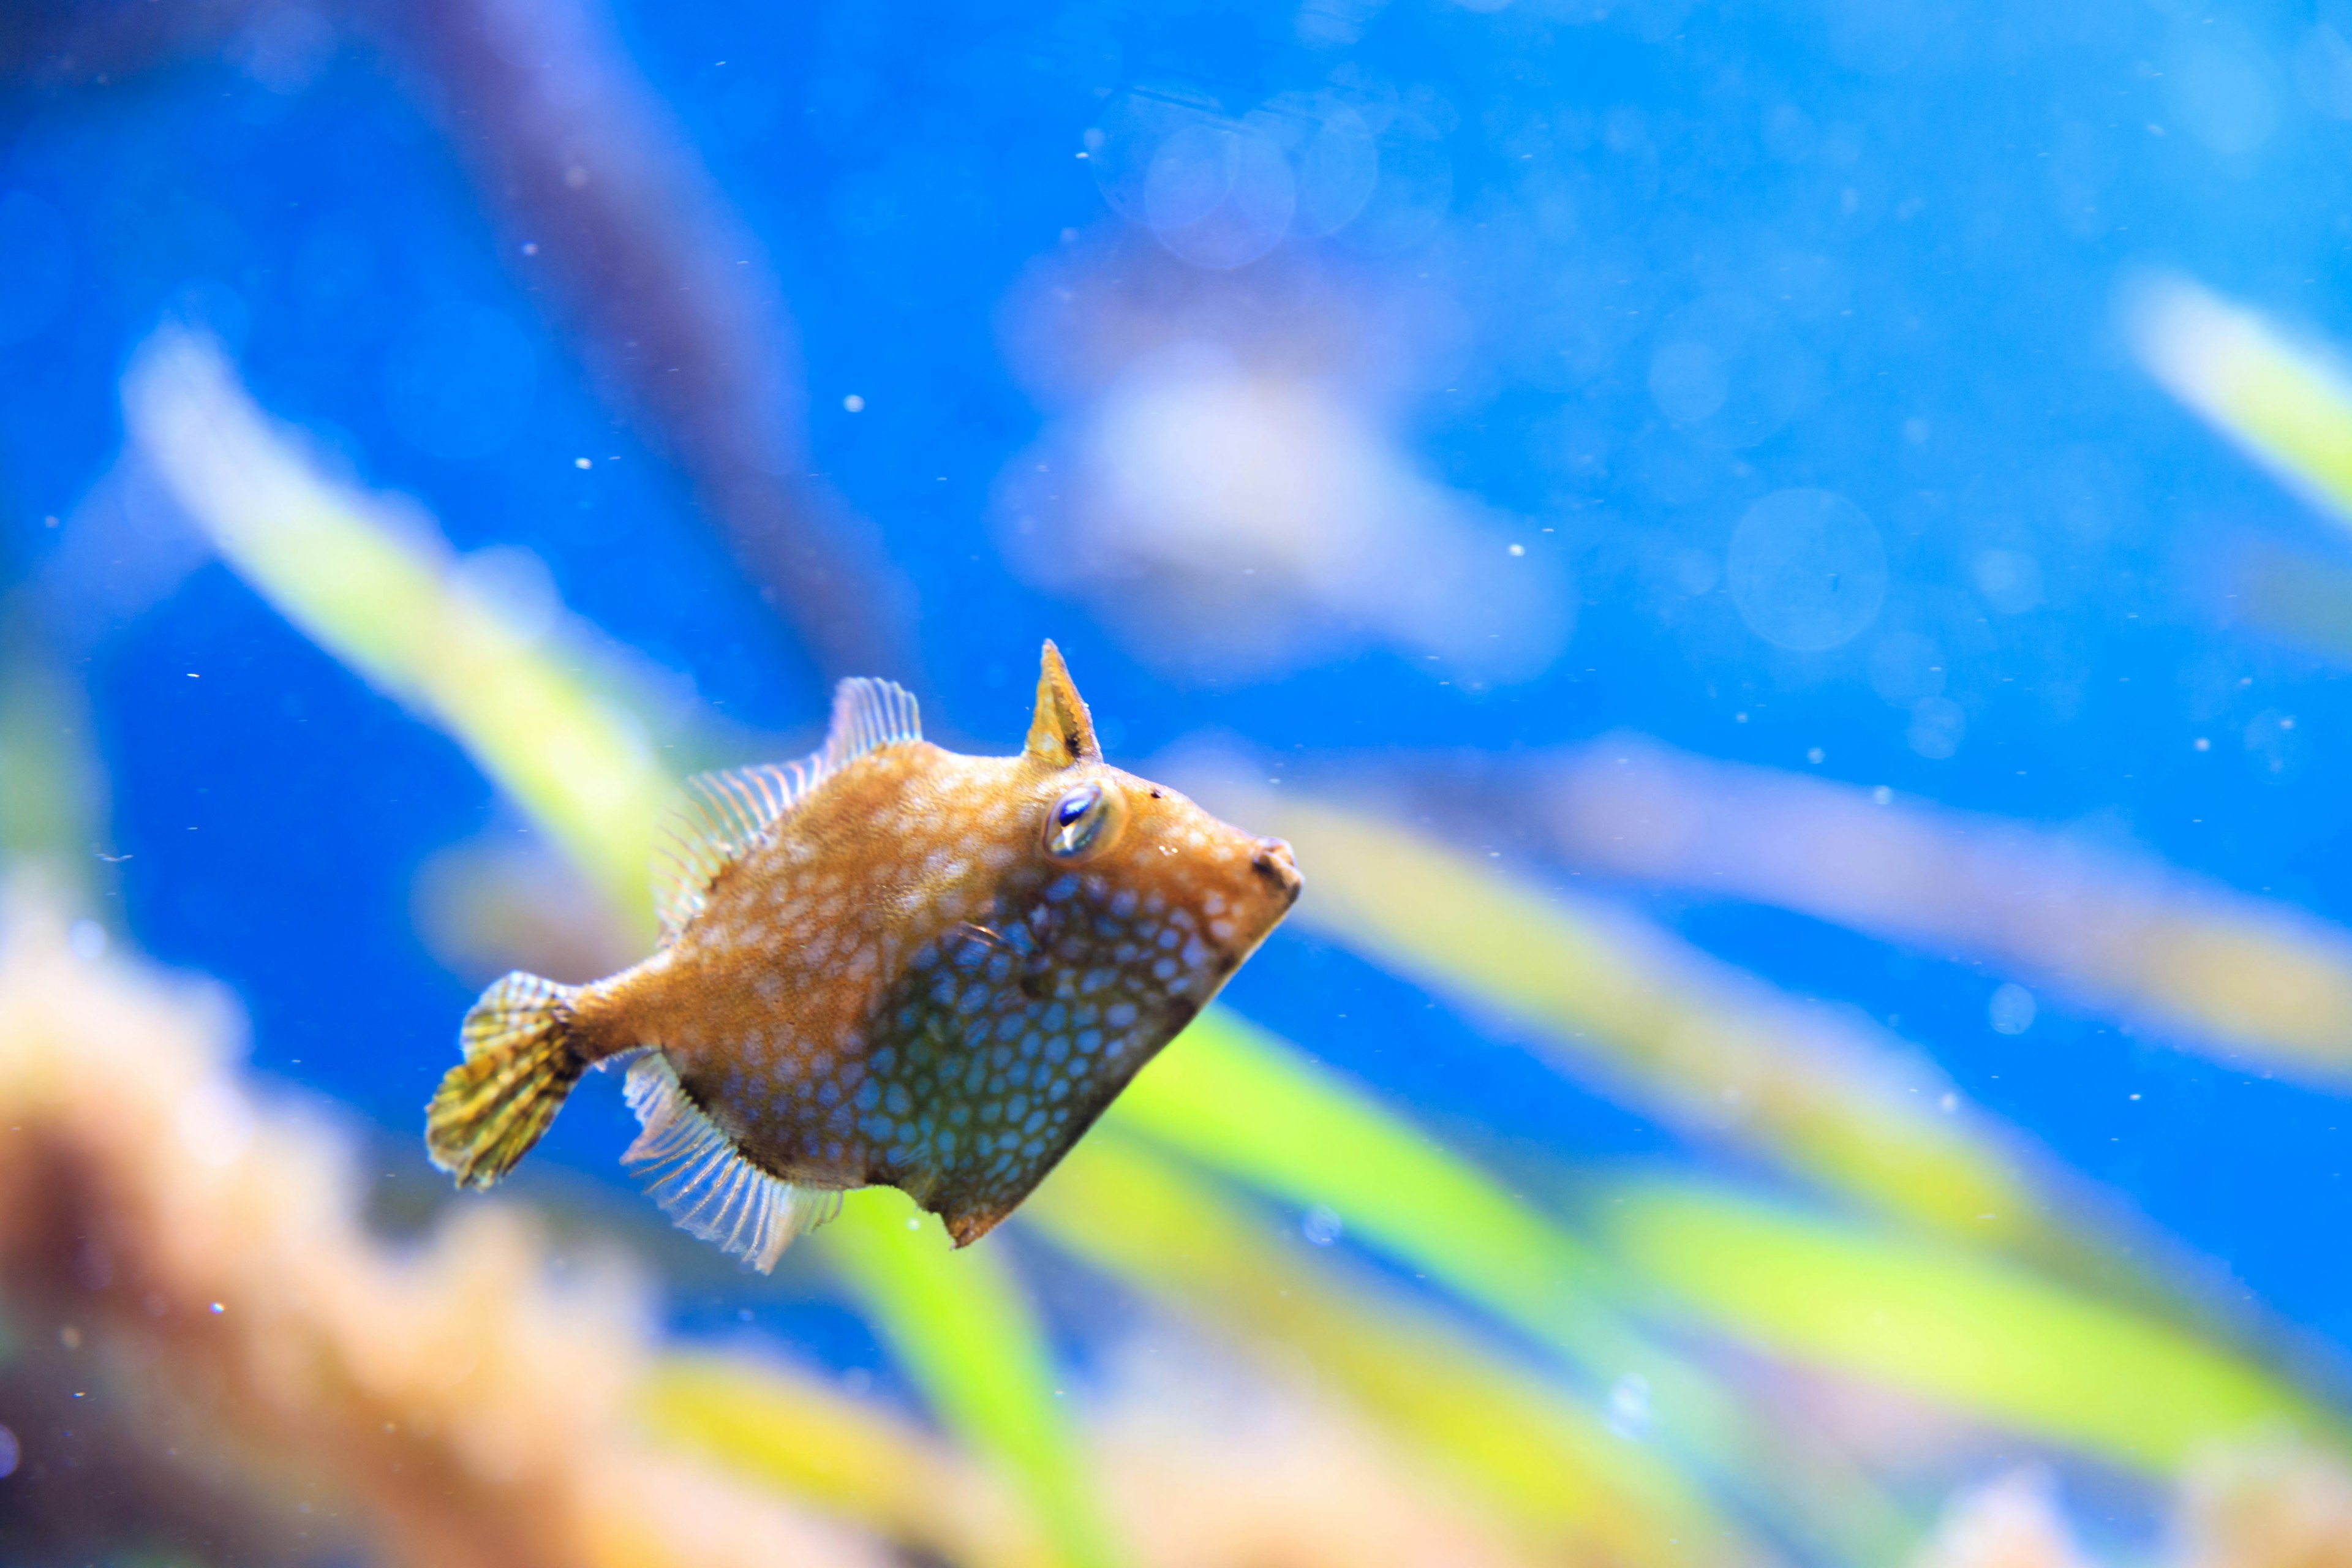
(932, 972)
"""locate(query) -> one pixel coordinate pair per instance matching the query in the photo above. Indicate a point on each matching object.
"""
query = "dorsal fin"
(726, 814)
(1061, 732)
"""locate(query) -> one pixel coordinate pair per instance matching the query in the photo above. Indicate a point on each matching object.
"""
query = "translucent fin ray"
(867, 715)
(725, 815)
(722, 816)
(702, 1182)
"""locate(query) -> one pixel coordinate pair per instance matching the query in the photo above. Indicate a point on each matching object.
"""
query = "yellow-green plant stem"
(964, 1329)
(1973, 1333)
(385, 600)
(2285, 403)
(844, 1453)
(1570, 1485)
(1246, 1103)
(1429, 911)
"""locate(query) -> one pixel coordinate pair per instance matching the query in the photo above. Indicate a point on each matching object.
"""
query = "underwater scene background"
(1784, 569)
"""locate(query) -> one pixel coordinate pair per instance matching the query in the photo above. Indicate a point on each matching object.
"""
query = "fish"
(887, 965)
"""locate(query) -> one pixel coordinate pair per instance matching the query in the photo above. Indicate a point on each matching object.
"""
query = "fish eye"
(1082, 822)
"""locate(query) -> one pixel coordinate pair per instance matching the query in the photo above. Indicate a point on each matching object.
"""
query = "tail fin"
(519, 1065)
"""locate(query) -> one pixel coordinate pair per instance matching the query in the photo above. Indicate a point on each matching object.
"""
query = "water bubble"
(1806, 569)
(1937, 725)
(86, 939)
(1726, 370)
(2010, 1009)
(1906, 669)
(1322, 1227)
(2271, 743)
(1121, 149)
(1218, 195)
(1695, 571)
(1789, 133)
(2010, 580)
(11, 1452)
(2221, 90)
(459, 380)
(1338, 170)
(1414, 188)
(1688, 381)
(2323, 69)
(35, 265)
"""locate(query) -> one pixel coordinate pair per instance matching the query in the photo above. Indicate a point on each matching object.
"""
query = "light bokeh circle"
(1806, 570)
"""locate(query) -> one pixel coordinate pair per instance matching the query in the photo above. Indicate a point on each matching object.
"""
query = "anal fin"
(703, 1181)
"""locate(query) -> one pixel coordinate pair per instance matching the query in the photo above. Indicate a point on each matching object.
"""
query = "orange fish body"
(890, 964)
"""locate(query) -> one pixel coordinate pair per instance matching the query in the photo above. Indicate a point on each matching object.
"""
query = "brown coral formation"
(1206, 1462)
(2012, 1522)
(191, 1263)
(2263, 1505)
(2278, 1506)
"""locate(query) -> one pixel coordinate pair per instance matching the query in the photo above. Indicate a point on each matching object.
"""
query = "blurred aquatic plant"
(994, 1389)
(610, 221)
(2198, 963)
(389, 599)
(844, 1453)
(1852, 1111)
(1250, 1470)
(1564, 1480)
(1234, 1102)
(2295, 595)
(54, 796)
(1667, 1029)
(2285, 403)
(1973, 1333)
(1200, 1465)
(970, 1337)
(1241, 1102)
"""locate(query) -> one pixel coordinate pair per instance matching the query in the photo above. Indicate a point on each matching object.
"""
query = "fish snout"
(1275, 862)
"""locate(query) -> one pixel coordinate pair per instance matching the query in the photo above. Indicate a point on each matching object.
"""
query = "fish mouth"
(1275, 863)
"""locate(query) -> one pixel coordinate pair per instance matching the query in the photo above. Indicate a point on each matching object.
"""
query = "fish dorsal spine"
(1062, 732)
(726, 815)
